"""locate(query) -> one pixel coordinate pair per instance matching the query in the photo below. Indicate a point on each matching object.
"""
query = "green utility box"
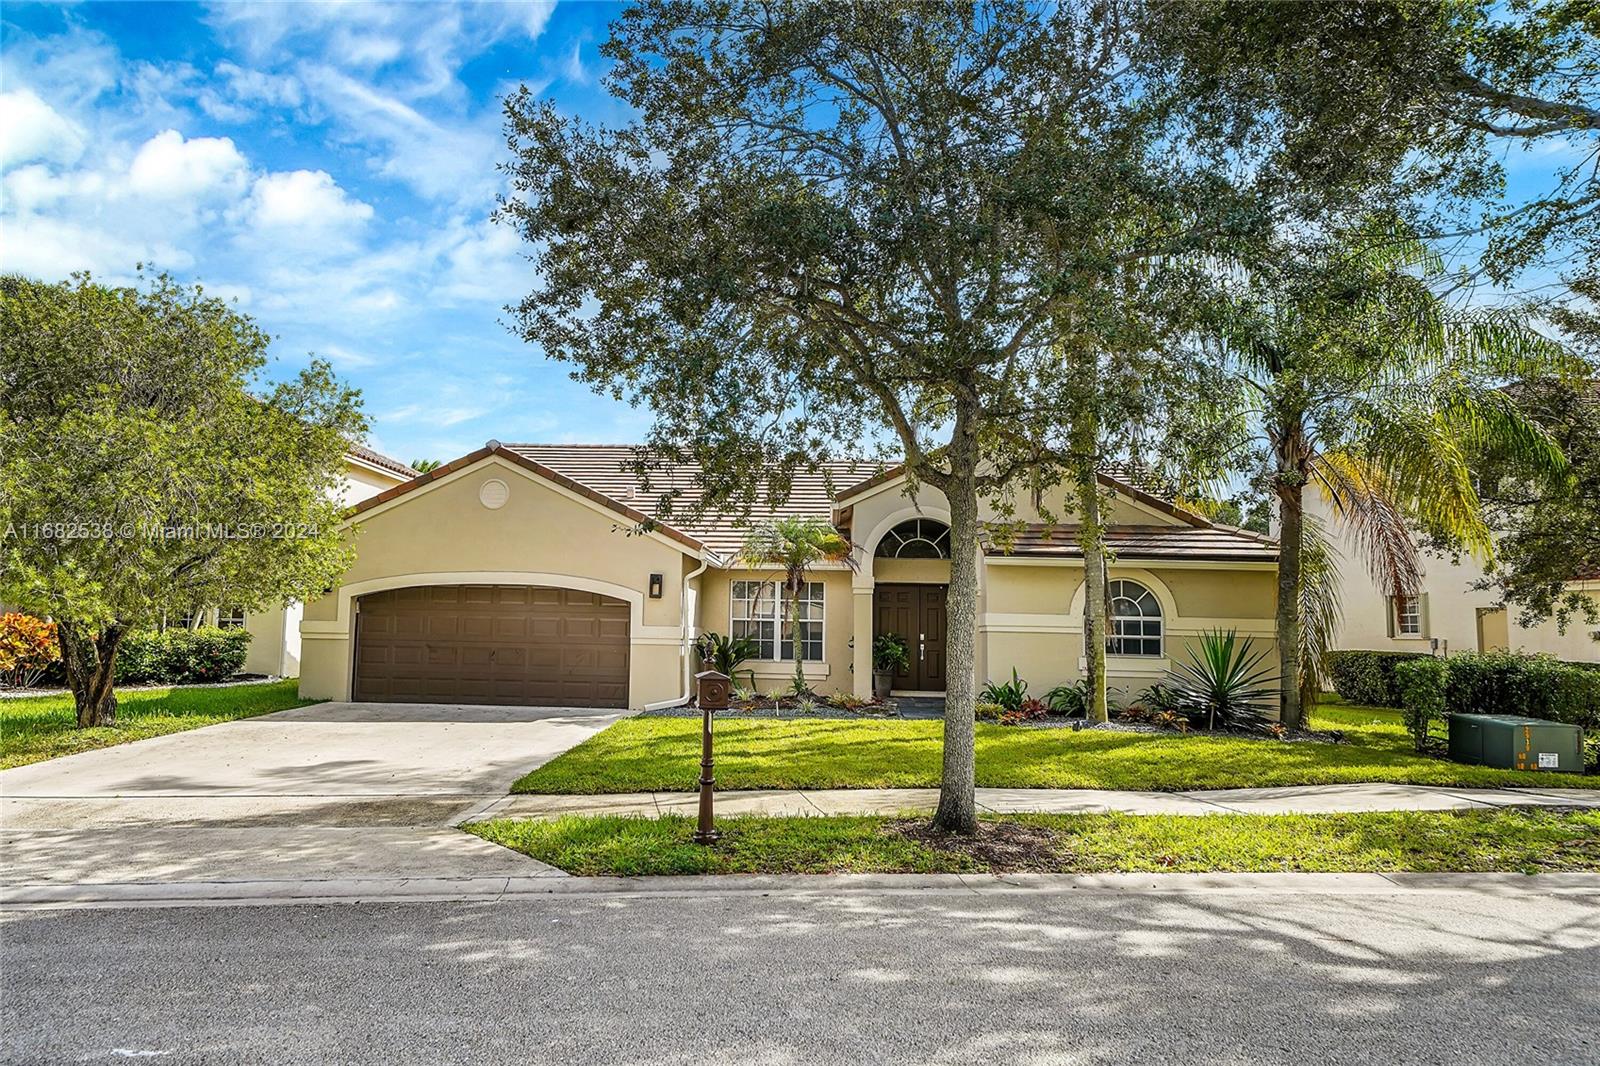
(1513, 742)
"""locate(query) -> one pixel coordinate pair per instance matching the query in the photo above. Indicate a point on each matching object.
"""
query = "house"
(533, 574)
(1447, 615)
(275, 631)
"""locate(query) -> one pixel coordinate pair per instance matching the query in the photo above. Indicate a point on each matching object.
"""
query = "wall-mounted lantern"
(657, 584)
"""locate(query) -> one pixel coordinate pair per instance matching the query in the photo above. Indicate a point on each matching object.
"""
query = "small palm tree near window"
(795, 545)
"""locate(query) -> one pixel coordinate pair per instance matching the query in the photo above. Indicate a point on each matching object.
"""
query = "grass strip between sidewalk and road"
(660, 754)
(1522, 840)
(35, 728)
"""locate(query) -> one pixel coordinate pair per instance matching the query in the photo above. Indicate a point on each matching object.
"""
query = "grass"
(35, 728)
(663, 754)
(1518, 840)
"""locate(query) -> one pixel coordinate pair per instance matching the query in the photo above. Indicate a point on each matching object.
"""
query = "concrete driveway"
(332, 790)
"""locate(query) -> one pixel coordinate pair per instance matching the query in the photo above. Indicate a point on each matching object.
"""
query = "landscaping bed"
(1517, 840)
(663, 754)
(789, 706)
(35, 728)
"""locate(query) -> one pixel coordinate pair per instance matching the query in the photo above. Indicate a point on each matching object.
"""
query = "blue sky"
(332, 167)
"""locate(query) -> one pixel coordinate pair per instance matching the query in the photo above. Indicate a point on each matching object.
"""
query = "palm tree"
(796, 545)
(1368, 386)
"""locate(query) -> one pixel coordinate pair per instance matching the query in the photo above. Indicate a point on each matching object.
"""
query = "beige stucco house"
(1448, 614)
(275, 631)
(535, 574)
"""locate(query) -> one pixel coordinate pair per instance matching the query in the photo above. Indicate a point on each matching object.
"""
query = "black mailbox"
(712, 690)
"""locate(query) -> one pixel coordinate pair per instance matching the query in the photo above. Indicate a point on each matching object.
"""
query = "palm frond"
(1363, 505)
(1321, 608)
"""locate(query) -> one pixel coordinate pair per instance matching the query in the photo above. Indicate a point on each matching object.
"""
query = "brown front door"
(508, 644)
(916, 612)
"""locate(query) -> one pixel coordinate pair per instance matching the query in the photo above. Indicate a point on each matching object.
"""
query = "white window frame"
(231, 617)
(1112, 637)
(1398, 614)
(751, 592)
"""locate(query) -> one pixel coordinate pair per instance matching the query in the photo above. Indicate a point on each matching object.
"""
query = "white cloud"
(169, 167)
(31, 129)
(304, 200)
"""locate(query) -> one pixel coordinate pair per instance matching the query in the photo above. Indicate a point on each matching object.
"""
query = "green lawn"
(1521, 840)
(35, 728)
(663, 754)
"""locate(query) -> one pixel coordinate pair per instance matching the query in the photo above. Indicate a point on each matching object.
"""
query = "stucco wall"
(442, 534)
(1033, 619)
(1450, 607)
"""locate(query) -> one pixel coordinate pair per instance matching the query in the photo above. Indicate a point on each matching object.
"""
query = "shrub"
(1159, 697)
(1368, 676)
(1538, 686)
(724, 654)
(1421, 683)
(1008, 694)
(1591, 752)
(1071, 700)
(988, 712)
(1029, 710)
(28, 647)
(181, 656)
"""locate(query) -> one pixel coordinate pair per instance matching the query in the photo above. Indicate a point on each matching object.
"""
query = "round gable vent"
(493, 494)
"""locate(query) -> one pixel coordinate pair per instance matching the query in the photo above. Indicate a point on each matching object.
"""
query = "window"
(1135, 620)
(916, 538)
(1407, 616)
(761, 611)
(230, 617)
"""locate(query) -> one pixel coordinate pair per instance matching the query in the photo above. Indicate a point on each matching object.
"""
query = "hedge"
(181, 656)
(1368, 676)
(1539, 686)
(1423, 683)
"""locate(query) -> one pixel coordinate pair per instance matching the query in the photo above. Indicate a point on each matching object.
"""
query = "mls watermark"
(103, 530)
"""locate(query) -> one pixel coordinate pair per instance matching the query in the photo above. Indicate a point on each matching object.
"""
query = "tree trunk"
(796, 585)
(1091, 538)
(958, 807)
(90, 662)
(1291, 521)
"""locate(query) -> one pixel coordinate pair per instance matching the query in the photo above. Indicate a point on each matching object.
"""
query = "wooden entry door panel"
(494, 644)
(917, 613)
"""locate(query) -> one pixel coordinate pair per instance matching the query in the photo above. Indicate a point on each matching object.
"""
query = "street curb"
(555, 883)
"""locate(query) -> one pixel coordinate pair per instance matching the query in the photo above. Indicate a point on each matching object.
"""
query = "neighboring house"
(275, 631)
(1448, 614)
(519, 574)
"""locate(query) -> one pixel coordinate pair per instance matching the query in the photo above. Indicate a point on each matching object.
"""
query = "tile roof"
(603, 467)
(600, 473)
(1213, 543)
(378, 459)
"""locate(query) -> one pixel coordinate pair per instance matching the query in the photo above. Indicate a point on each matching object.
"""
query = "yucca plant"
(1222, 680)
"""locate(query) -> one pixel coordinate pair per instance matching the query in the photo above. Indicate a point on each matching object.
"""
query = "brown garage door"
(510, 644)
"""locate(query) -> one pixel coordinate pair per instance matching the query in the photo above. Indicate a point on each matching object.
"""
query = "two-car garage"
(492, 644)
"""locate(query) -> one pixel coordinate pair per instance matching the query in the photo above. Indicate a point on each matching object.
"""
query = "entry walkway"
(1304, 799)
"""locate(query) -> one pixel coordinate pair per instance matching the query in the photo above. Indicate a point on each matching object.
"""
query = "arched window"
(1135, 620)
(916, 538)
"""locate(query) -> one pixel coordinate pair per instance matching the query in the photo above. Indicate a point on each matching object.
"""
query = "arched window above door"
(916, 538)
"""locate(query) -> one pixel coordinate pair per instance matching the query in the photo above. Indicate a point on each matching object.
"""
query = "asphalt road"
(1503, 977)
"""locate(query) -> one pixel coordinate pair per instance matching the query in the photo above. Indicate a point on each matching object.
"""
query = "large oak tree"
(832, 223)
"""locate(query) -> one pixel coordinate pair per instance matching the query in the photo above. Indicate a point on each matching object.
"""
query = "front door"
(917, 613)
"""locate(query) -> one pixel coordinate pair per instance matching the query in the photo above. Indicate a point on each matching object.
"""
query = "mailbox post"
(711, 691)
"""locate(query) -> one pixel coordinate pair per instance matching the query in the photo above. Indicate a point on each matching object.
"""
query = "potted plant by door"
(890, 656)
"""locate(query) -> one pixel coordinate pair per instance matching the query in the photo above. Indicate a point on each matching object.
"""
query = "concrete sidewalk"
(1303, 799)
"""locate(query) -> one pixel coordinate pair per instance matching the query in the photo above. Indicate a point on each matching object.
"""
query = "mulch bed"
(1001, 847)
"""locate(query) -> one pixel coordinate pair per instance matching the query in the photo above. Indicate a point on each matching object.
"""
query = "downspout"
(688, 639)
